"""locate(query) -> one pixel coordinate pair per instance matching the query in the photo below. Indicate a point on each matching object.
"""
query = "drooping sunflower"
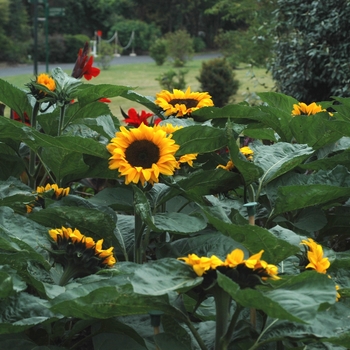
(79, 255)
(141, 154)
(303, 109)
(58, 192)
(179, 103)
(246, 272)
(315, 256)
(246, 151)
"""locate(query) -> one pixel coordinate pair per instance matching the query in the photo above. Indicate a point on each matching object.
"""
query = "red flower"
(104, 99)
(83, 65)
(15, 116)
(135, 119)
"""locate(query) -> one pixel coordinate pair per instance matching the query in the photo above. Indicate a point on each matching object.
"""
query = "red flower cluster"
(83, 65)
(136, 119)
(15, 116)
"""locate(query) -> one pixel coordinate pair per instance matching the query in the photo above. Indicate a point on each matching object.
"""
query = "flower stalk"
(32, 156)
(222, 305)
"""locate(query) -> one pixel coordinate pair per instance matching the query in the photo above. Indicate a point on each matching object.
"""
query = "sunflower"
(246, 272)
(59, 192)
(79, 255)
(47, 81)
(202, 264)
(141, 154)
(246, 151)
(303, 109)
(315, 256)
(181, 103)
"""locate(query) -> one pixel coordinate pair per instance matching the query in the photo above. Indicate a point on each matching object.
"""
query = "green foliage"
(298, 177)
(158, 51)
(218, 79)
(250, 46)
(72, 44)
(145, 34)
(180, 47)
(105, 55)
(311, 50)
(173, 80)
(198, 44)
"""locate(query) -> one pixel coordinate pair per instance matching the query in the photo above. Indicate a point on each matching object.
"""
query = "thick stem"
(139, 227)
(61, 120)
(32, 156)
(222, 305)
(226, 339)
(196, 335)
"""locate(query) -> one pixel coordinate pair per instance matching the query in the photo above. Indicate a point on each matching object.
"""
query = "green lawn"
(142, 78)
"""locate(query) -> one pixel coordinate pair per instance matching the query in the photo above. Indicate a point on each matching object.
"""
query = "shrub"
(312, 49)
(217, 78)
(180, 47)
(173, 80)
(72, 45)
(198, 44)
(145, 34)
(158, 51)
(105, 55)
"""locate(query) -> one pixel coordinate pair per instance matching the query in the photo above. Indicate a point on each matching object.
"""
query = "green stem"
(61, 120)
(32, 156)
(257, 344)
(196, 335)
(139, 227)
(222, 305)
(227, 337)
(69, 272)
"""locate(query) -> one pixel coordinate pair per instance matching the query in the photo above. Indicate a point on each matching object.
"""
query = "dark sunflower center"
(188, 102)
(142, 153)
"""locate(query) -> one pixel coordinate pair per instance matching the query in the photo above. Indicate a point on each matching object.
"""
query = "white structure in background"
(94, 44)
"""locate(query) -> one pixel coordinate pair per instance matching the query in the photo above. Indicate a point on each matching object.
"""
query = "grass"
(142, 79)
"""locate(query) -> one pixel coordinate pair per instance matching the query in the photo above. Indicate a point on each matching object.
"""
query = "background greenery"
(143, 78)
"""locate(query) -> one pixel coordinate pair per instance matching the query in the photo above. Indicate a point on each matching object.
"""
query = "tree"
(312, 49)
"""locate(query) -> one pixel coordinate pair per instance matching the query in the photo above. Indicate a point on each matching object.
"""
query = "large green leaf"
(90, 221)
(201, 183)
(330, 325)
(254, 238)
(23, 229)
(10, 282)
(314, 130)
(178, 223)
(110, 295)
(301, 191)
(250, 171)
(162, 276)
(89, 93)
(278, 159)
(207, 243)
(118, 198)
(15, 194)
(297, 298)
(35, 140)
(168, 341)
(10, 163)
(15, 98)
(146, 101)
(199, 139)
(22, 311)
